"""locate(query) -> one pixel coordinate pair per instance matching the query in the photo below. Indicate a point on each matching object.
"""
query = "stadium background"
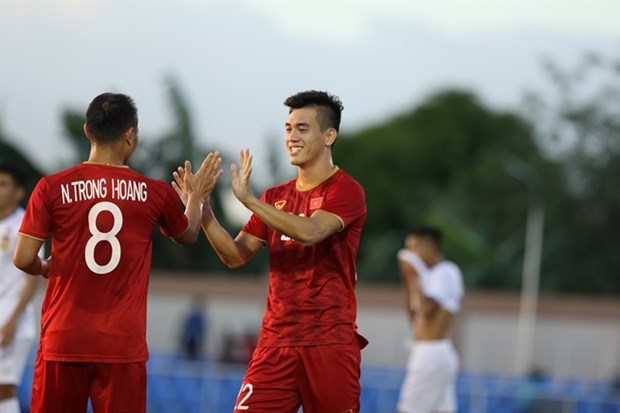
(576, 349)
(497, 121)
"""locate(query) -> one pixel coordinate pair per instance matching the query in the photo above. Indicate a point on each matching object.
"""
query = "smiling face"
(305, 140)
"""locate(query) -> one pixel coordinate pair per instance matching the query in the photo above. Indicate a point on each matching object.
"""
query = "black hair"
(427, 232)
(110, 115)
(16, 172)
(328, 107)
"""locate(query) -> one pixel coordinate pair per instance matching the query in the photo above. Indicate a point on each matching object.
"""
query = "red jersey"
(101, 221)
(312, 288)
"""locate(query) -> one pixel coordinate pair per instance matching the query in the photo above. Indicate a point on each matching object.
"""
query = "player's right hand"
(207, 175)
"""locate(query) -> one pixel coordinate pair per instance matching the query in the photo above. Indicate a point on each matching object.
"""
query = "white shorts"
(13, 360)
(429, 384)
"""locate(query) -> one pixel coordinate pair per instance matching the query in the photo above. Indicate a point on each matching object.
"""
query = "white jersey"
(13, 280)
(442, 282)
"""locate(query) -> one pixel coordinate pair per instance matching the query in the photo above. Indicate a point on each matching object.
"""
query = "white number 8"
(98, 236)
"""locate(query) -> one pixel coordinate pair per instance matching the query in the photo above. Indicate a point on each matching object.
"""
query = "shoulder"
(342, 176)
(62, 175)
(156, 183)
(53, 180)
(284, 187)
(152, 183)
(15, 218)
(346, 183)
(79, 172)
(447, 268)
(159, 191)
(449, 273)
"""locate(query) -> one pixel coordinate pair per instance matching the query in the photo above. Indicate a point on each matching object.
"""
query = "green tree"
(578, 124)
(445, 163)
(451, 161)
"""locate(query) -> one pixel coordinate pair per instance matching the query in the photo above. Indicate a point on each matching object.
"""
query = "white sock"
(10, 406)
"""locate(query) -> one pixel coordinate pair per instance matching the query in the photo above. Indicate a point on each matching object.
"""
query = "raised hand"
(207, 175)
(202, 182)
(241, 179)
(178, 184)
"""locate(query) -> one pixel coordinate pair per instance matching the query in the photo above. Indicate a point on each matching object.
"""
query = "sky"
(236, 61)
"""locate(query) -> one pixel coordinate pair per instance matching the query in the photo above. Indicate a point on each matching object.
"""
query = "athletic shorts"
(66, 387)
(13, 360)
(321, 379)
(429, 384)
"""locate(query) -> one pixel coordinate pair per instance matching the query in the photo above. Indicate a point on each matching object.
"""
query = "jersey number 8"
(98, 236)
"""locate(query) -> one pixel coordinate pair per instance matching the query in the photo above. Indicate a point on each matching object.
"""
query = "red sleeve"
(173, 221)
(37, 221)
(346, 199)
(255, 226)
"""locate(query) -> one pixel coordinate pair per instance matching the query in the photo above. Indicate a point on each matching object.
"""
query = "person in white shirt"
(433, 292)
(17, 324)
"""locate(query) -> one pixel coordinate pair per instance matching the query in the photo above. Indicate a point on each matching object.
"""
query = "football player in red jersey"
(308, 351)
(100, 216)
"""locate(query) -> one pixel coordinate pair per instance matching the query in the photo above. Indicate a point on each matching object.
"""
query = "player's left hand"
(206, 177)
(241, 179)
(202, 182)
(178, 185)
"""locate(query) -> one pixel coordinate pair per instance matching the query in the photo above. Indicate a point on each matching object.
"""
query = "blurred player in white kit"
(17, 324)
(433, 294)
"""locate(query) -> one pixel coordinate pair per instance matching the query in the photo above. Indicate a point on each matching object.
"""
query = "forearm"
(193, 212)
(413, 289)
(38, 266)
(26, 295)
(229, 252)
(301, 229)
(409, 307)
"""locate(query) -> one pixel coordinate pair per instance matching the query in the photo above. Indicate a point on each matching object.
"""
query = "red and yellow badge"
(279, 204)
(315, 203)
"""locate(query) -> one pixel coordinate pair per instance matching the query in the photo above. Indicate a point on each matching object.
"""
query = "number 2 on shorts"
(244, 387)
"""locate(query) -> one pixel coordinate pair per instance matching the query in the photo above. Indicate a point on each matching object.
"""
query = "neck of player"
(107, 155)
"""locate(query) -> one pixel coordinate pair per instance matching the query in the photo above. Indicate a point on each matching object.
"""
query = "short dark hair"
(429, 232)
(110, 115)
(16, 172)
(328, 107)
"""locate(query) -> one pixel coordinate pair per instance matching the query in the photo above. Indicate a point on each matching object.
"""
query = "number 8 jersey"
(100, 219)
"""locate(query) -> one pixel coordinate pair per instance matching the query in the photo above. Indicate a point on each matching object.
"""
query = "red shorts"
(66, 387)
(322, 379)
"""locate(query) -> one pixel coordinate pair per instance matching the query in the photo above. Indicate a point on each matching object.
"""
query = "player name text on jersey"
(88, 189)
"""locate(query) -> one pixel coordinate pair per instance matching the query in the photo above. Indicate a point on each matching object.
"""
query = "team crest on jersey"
(279, 204)
(315, 203)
